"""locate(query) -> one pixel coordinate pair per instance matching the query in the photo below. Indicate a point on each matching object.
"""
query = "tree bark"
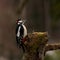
(52, 47)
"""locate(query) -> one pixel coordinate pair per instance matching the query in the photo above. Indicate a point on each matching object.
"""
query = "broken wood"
(50, 47)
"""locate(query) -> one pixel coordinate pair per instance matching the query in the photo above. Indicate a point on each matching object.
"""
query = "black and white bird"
(21, 33)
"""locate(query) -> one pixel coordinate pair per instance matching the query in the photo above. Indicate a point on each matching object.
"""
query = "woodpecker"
(21, 33)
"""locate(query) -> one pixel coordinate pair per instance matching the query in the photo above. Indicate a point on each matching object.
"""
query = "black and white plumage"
(21, 32)
(21, 29)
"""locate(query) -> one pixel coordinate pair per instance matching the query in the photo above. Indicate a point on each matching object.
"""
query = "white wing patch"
(25, 31)
(18, 33)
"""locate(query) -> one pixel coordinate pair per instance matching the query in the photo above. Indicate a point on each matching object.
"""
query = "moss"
(37, 40)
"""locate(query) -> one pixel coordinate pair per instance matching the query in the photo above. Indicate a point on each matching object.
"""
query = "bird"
(21, 33)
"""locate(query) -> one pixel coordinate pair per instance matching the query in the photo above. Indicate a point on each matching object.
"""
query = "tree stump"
(36, 46)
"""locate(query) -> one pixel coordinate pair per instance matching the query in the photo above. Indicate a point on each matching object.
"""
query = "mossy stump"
(35, 45)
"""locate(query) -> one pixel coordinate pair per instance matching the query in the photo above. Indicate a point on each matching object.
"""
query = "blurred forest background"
(40, 15)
